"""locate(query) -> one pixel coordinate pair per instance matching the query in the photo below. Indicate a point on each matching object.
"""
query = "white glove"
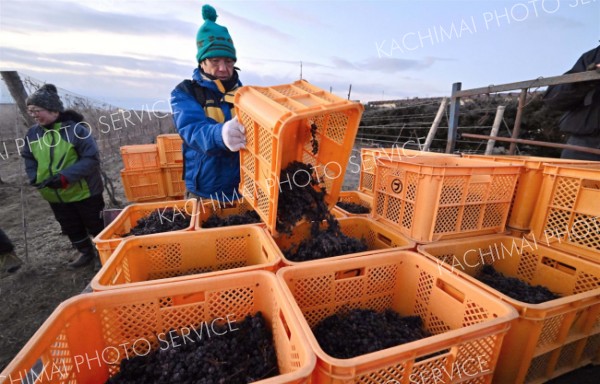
(234, 135)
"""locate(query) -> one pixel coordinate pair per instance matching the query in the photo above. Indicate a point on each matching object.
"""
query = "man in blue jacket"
(205, 118)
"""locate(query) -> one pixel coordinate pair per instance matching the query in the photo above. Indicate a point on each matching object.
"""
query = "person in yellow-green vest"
(63, 162)
(204, 116)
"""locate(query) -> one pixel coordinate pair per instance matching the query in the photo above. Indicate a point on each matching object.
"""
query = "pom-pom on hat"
(212, 39)
(46, 97)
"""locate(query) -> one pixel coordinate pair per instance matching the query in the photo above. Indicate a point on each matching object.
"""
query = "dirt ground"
(29, 296)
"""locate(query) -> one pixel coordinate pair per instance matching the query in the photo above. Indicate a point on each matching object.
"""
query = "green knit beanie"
(213, 40)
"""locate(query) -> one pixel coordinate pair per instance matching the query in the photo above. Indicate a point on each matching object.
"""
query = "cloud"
(295, 63)
(256, 27)
(93, 62)
(36, 18)
(386, 64)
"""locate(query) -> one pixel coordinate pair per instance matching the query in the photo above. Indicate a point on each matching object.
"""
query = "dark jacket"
(581, 101)
(66, 148)
(6, 245)
(211, 170)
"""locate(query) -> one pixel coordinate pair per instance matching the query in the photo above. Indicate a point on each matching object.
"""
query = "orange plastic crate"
(528, 186)
(378, 238)
(550, 338)
(278, 122)
(171, 256)
(222, 209)
(140, 157)
(355, 197)
(567, 213)
(143, 185)
(467, 323)
(170, 151)
(433, 198)
(174, 181)
(109, 239)
(109, 326)
(368, 164)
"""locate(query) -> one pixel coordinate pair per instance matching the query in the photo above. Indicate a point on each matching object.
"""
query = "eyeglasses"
(216, 62)
(35, 111)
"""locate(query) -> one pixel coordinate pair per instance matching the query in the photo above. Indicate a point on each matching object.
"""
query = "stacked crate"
(433, 198)
(452, 206)
(170, 156)
(529, 185)
(142, 176)
(153, 172)
(550, 338)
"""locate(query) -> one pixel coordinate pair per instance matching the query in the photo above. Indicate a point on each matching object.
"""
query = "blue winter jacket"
(211, 170)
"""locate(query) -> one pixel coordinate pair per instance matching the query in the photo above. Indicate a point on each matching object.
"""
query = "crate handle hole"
(450, 290)
(590, 184)
(481, 179)
(349, 273)
(384, 239)
(197, 297)
(559, 266)
(286, 328)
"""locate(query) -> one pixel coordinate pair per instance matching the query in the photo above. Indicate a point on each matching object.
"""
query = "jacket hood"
(71, 115)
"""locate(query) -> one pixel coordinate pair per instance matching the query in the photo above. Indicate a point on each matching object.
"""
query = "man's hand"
(57, 181)
(233, 135)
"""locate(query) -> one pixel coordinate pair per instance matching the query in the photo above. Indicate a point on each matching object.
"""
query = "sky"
(132, 53)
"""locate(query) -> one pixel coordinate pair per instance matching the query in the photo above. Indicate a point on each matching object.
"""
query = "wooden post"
(18, 93)
(435, 125)
(517, 128)
(495, 128)
(349, 91)
(453, 120)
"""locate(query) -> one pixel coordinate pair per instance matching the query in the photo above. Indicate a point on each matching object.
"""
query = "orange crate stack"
(169, 149)
(528, 186)
(174, 182)
(278, 124)
(567, 213)
(368, 164)
(467, 323)
(109, 239)
(355, 197)
(433, 198)
(378, 238)
(106, 327)
(179, 256)
(140, 157)
(222, 210)
(144, 186)
(170, 156)
(142, 177)
(550, 338)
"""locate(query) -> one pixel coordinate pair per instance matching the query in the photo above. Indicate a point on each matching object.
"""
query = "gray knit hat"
(46, 97)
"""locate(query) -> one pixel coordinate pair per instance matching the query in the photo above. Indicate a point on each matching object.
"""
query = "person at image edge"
(581, 104)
